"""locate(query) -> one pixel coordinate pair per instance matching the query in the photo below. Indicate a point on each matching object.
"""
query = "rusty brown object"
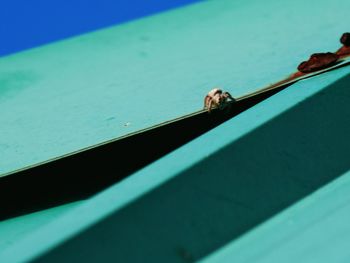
(345, 49)
(345, 39)
(318, 61)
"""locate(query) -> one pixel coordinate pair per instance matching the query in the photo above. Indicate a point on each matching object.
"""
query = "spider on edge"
(216, 98)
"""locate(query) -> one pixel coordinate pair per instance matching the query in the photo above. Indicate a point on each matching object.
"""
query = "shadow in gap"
(83, 174)
(203, 208)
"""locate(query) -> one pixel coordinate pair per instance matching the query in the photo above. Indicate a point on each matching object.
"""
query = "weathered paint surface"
(203, 195)
(89, 89)
(314, 230)
(15, 229)
(190, 203)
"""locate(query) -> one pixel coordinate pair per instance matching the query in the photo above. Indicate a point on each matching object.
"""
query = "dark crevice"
(236, 188)
(79, 176)
(85, 173)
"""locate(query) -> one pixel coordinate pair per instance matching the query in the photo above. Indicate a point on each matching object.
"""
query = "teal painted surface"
(82, 91)
(15, 229)
(200, 197)
(315, 230)
(99, 86)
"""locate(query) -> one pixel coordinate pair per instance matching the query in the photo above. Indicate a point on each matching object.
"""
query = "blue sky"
(25, 24)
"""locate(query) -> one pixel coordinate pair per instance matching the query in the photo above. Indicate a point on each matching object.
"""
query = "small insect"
(216, 98)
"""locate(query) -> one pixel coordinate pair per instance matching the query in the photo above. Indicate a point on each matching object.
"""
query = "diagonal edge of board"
(293, 78)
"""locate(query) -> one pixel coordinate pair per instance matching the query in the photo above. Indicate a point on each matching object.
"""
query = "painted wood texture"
(190, 203)
(314, 230)
(82, 91)
(211, 191)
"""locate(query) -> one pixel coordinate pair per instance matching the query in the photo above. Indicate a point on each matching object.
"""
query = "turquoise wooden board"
(17, 228)
(82, 91)
(192, 202)
(314, 230)
(86, 90)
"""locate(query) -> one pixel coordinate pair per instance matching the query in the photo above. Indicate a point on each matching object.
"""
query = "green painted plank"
(82, 91)
(110, 83)
(198, 198)
(15, 229)
(314, 230)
